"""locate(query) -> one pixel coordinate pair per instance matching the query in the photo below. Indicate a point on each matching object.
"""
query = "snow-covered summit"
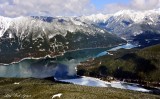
(136, 16)
(52, 34)
(60, 25)
(95, 17)
(126, 23)
(4, 24)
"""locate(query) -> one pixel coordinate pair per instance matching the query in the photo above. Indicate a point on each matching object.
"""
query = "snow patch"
(16, 83)
(87, 81)
(127, 46)
(57, 95)
(95, 18)
(95, 82)
(123, 85)
(103, 53)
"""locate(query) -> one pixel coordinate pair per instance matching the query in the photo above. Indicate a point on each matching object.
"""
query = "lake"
(63, 68)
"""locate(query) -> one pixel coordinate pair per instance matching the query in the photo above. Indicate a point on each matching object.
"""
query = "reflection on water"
(29, 68)
(61, 67)
(64, 68)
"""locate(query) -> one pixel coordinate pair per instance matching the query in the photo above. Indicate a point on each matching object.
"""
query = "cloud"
(133, 5)
(13, 8)
(111, 8)
(145, 4)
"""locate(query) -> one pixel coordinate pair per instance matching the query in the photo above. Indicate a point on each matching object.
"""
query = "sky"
(15, 8)
(101, 3)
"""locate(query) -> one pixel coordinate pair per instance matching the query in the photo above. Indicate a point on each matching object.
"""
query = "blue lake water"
(61, 67)
(64, 68)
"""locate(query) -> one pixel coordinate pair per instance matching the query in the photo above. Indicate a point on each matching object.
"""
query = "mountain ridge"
(54, 35)
(40, 36)
(130, 25)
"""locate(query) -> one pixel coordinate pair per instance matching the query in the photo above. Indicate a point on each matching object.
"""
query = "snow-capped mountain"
(4, 25)
(126, 23)
(22, 24)
(129, 24)
(39, 36)
(95, 18)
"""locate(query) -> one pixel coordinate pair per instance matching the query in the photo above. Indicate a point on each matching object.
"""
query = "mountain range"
(137, 26)
(38, 36)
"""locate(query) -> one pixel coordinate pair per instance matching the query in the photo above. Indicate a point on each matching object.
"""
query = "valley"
(64, 68)
(96, 56)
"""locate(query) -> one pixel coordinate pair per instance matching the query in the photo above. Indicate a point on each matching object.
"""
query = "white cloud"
(134, 5)
(13, 8)
(145, 4)
(111, 8)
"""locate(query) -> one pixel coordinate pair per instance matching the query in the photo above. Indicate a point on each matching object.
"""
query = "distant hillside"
(134, 64)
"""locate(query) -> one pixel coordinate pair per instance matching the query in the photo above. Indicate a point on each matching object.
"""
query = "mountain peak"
(95, 17)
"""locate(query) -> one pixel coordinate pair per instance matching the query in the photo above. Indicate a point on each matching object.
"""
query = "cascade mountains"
(38, 36)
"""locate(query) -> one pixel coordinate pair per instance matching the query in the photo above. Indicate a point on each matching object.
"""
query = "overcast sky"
(14, 8)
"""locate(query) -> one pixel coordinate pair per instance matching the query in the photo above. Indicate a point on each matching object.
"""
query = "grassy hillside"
(142, 65)
(30, 88)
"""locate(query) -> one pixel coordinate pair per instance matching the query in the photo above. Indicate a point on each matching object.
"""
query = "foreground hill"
(140, 65)
(29, 88)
